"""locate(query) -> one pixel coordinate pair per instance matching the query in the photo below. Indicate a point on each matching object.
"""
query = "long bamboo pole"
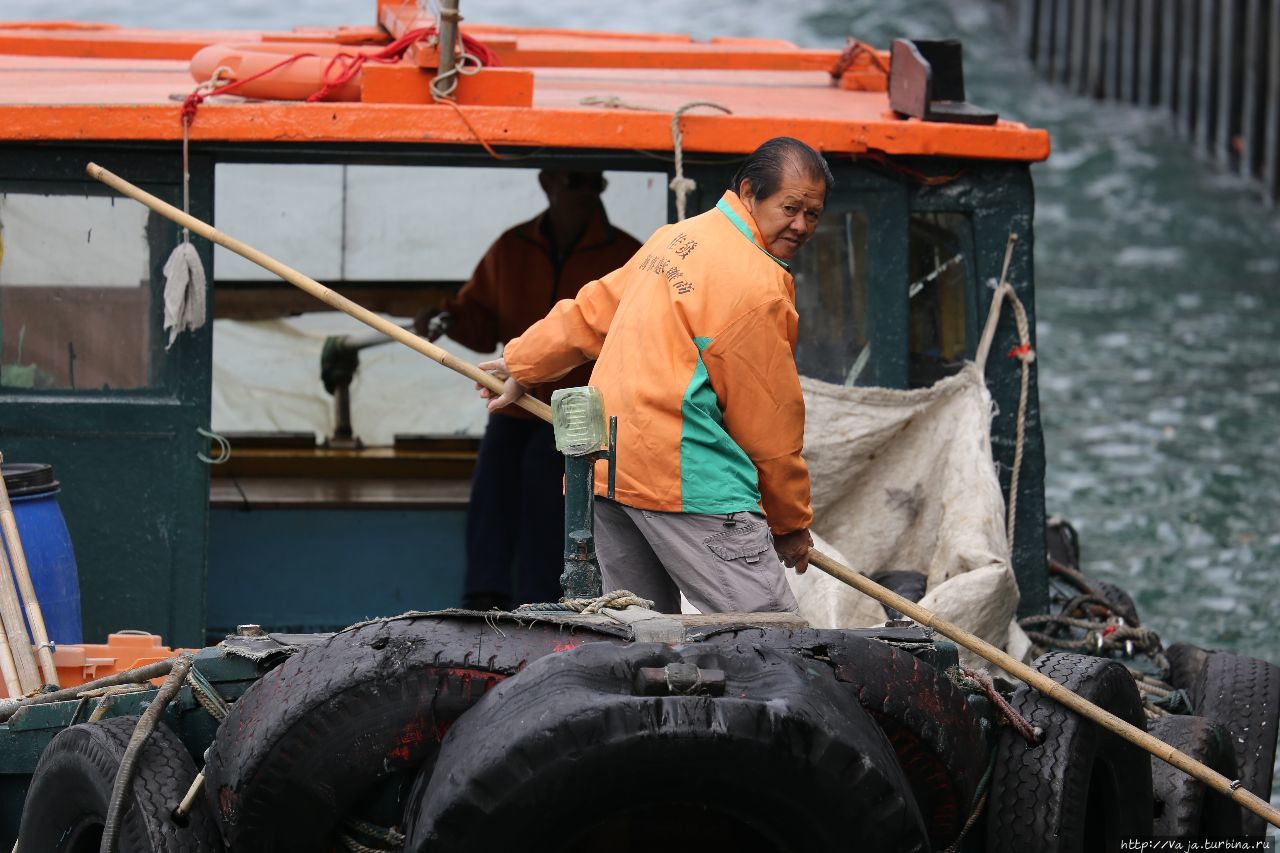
(35, 616)
(15, 633)
(980, 647)
(315, 288)
(8, 668)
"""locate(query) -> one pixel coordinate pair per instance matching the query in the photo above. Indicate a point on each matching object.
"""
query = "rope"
(1099, 638)
(128, 763)
(1025, 354)
(341, 68)
(211, 702)
(1016, 720)
(853, 48)
(680, 185)
(619, 599)
(389, 837)
(980, 800)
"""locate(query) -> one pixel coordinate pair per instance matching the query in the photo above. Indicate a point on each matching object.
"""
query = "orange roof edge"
(87, 81)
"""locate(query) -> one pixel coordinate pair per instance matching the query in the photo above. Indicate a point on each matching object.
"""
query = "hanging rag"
(184, 297)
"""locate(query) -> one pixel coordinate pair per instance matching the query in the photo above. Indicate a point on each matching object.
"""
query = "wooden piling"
(1271, 151)
(1214, 65)
(1062, 41)
(1148, 46)
(1228, 87)
(1097, 55)
(1169, 56)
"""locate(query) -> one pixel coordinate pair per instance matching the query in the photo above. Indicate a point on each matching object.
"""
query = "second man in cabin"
(694, 341)
(516, 514)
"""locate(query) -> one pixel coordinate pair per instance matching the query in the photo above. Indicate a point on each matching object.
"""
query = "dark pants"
(516, 517)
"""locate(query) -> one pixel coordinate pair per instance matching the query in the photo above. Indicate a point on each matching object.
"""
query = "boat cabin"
(391, 197)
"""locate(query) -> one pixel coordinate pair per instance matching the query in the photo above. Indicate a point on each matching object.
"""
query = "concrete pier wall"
(1214, 65)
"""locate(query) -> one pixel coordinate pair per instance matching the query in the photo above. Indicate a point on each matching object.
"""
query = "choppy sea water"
(1158, 294)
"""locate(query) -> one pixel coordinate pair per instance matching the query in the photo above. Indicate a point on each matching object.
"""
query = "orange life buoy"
(296, 81)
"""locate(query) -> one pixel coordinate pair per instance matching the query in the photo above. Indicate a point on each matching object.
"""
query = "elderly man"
(516, 513)
(694, 339)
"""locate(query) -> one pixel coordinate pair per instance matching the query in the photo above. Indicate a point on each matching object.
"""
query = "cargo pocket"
(749, 573)
(746, 542)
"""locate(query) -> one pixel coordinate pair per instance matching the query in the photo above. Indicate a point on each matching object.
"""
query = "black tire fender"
(1184, 806)
(938, 738)
(1242, 694)
(66, 806)
(1082, 788)
(567, 750)
(1121, 602)
(1186, 662)
(312, 737)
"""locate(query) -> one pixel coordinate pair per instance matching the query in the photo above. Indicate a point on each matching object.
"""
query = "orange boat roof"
(554, 88)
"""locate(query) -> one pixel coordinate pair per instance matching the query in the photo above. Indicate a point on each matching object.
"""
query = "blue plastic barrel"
(47, 545)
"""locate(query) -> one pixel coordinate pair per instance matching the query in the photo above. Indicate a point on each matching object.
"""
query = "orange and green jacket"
(694, 339)
(519, 279)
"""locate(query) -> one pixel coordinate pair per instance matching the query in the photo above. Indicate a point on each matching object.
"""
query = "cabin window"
(937, 296)
(394, 238)
(831, 298)
(75, 292)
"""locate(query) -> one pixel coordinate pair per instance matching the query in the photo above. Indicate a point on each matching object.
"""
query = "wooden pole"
(1049, 687)
(842, 573)
(15, 629)
(8, 668)
(315, 288)
(35, 618)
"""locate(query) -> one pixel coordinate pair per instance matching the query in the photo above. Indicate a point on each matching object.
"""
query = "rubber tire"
(1041, 796)
(1242, 694)
(310, 738)
(66, 806)
(938, 738)
(1186, 662)
(1121, 602)
(567, 749)
(1184, 806)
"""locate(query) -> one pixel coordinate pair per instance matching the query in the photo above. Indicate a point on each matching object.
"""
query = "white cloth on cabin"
(184, 291)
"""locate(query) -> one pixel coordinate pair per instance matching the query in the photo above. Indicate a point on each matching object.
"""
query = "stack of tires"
(468, 735)
(456, 733)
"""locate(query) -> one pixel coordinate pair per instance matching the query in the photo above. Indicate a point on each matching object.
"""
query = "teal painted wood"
(134, 494)
(999, 199)
(323, 569)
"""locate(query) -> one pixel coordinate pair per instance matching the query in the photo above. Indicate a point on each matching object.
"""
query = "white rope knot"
(619, 599)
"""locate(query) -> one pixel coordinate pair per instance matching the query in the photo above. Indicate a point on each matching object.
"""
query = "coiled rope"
(619, 599)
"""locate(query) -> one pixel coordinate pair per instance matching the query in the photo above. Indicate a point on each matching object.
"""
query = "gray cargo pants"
(722, 563)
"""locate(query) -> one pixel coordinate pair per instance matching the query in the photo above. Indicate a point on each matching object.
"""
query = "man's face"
(788, 218)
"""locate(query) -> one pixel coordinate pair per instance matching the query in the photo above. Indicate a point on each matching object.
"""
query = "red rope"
(342, 68)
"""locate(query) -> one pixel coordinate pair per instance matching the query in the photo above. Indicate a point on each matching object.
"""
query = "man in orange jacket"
(516, 511)
(694, 339)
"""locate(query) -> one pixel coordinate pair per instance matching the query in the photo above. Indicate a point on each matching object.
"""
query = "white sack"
(905, 480)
